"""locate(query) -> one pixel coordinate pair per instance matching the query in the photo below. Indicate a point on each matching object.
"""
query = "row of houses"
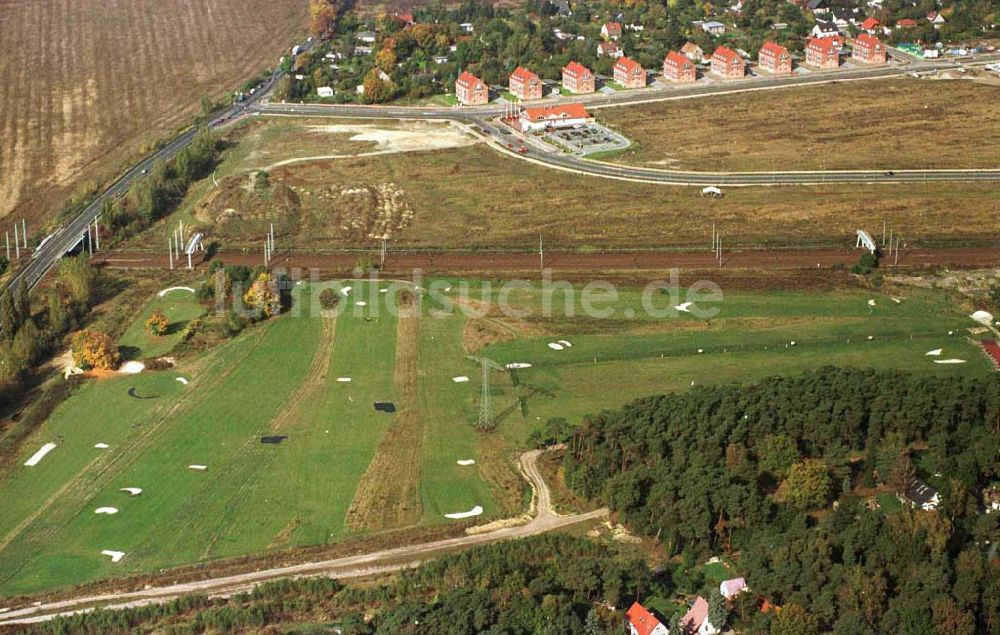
(694, 622)
(679, 67)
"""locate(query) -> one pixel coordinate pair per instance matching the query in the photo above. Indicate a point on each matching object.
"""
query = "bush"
(328, 298)
(93, 349)
(866, 264)
(157, 324)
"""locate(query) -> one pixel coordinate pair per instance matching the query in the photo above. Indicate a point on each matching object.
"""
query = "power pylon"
(486, 419)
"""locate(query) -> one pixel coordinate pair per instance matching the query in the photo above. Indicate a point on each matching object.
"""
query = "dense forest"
(778, 472)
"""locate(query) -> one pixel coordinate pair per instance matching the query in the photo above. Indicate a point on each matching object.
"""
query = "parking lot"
(588, 139)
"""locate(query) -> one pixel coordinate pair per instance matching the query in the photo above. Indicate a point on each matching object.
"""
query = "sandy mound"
(475, 511)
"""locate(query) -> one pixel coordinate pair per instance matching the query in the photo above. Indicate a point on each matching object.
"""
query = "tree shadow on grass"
(129, 353)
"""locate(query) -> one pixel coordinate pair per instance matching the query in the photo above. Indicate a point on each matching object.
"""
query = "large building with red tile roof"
(525, 85)
(868, 49)
(727, 63)
(578, 79)
(823, 53)
(678, 68)
(629, 74)
(559, 116)
(470, 90)
(775, 59)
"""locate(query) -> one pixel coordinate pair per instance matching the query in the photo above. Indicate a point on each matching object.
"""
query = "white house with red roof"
(642, 622)
(774, 58)
(695, 621)
(611, 30)
(609, 49)
(559, 116)
(578, 79)
(733, 587)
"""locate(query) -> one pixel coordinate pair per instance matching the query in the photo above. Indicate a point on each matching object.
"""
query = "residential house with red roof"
(868, 49)
(560, 116)
(611, 30)
(642, 622)
(906, 23)
(524, 84)
(678, 68)
(578, 79)
(870, 25)
(733, 587)
(727, 63)
(695, 621)
(609, 49)
(775, 59)
(470, 90)
(823, 53)
(629, 73)
(693, 52)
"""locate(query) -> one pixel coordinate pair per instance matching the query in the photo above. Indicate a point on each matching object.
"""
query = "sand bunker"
(344, 380)
(871, 303)
(346, 290)
(556, 347)
(198, 467)
(106, 510)
(949, 361)
(361, 303)
(101, 446)
(383, 291)
(934, 353)
(475, 511)
(169, 289)
(465, 462)
(38, 456)
(686, 307)
(461, 379)
(182, 380)
(132, 491)
(131, 368)
(982, 317)
(115, 555)
(516, 365)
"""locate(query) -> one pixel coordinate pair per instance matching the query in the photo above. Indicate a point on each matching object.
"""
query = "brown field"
(474, 198)
(894, 124)
(85, 86)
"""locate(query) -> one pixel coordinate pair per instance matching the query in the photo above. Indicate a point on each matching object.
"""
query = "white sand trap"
(344, 380)
(934, 353)
(555, 347)
(38, 456)
(949, 361)
(200, 468)
(182, 380)
(115, 555)
(361, 303)
(982, 317)
(132, 491)
(475, 511)
(871, 337)
(383, 291)
(461, 379)
(106, 510)
(447, 289)
(346, 290)
(465, 462)
(686, 307)
(132, 368)
(896, 300)
(169, 289)
(101, 446)
(792, 342)
(516, 365)
(871, 303)
(300, 283)
(566, 343)
(701, 350)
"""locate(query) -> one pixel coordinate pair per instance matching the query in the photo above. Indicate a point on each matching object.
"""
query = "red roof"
(697, 614)
(906, 23)
(774, 49)
(870, 23)
(867, 41)
(565, 111)
(824, 45)
(468, 79)
(608, 47)
(727, 54)
(576, 69)
(523, 74)
(613, 28)
(628, 65)
(680, 59)
(641, 620)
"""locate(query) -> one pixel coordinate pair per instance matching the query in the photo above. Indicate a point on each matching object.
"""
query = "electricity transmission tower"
(486, 418)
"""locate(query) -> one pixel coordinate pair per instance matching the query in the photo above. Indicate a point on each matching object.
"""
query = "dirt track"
(465, 263)
(544, 519)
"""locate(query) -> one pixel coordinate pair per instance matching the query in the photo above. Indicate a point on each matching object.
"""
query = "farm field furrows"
(84, 86)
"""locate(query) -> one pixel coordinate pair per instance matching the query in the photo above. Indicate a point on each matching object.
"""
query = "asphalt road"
(543, 519)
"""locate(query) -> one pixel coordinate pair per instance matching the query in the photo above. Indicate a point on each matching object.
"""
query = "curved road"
(543, 520)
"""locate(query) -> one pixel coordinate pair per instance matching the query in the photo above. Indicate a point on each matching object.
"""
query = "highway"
(480, 118)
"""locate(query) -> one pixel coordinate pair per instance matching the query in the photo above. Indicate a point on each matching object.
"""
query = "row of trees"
(754, 469)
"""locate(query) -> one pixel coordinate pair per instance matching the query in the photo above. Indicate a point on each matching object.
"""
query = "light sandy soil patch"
(414, 137)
